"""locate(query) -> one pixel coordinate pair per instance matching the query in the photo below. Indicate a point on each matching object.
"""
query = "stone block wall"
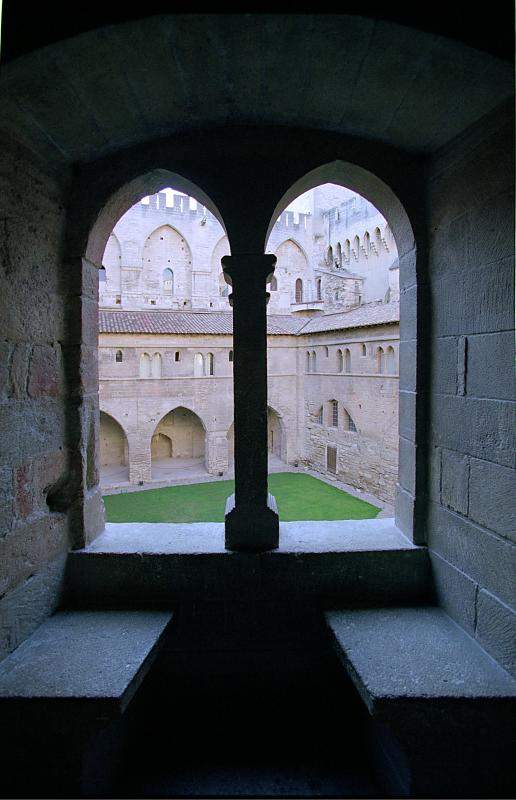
(34, 424)
(472, 523)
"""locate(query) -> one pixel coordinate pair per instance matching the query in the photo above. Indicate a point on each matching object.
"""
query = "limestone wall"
(366, 458)
(187, 239)
(471, 520)
(34, 425)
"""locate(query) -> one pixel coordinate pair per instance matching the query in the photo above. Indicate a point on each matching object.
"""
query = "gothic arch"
(381, 195)
(179, 434)
(113, 442)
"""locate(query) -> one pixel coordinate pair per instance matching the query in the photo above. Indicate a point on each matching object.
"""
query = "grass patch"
(298, 497)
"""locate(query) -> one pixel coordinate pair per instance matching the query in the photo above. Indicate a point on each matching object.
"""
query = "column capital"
(248, 266)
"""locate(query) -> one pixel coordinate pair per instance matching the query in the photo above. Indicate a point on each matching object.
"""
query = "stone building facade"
(165, 348)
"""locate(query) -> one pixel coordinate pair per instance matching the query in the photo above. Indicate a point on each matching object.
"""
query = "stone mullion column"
(252, 522)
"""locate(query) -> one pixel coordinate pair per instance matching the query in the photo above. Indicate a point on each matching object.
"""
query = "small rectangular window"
(177, 356)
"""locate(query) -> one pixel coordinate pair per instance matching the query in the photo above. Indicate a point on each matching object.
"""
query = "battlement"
(182, 206)
(293, 220)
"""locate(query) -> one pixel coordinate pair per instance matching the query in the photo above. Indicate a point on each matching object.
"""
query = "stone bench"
(63, 692)
(441, 710)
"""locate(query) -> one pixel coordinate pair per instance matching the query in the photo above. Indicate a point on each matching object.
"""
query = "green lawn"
(298, 496)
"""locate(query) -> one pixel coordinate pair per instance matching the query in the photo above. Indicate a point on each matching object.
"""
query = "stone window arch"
(314, 361)
(367, 243)
(380, 360)
(363, 350)
(308, 361)
(299, 290)
(326, 351)
(231, 356)
(119, 356)
(177, 355)
(210, 364)
(340, 361)
(156, 365)
(334, 414)
(318, 288)
(347, 422)
(329, 256)
(347, 250)
(356, 247)
(378, 239)
(390, 360)
(223, 286)
(198, 365)
(339, 254)
(145, 365)
(168, 281)
(347, 360)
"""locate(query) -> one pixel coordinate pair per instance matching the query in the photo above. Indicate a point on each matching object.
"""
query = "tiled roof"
(360, 317)
(220, 322)
(187, 322)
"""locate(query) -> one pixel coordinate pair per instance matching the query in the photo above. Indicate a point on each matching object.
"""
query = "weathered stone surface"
(496, 630)
(490, 362)
(97, 655)
(485, 558)
(454, 480)
(491, 497)
(414, 653)
(46, 376)
(455, 592)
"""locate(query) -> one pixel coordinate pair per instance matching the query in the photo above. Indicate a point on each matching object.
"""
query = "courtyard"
(299, 497)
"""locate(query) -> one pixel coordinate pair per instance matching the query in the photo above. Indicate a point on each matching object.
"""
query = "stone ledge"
(83, 656)
(362, 562)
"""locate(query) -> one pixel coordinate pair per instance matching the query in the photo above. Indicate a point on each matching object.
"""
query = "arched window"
(299, 291)
(314, 361)
(318, 284)
(168, 281)
(347, 360)
(378, 238)
(210, 364)
(308, 362)
(334, 414)
(340, 361)
(273, 284)
(198, 365)
(119, 356)
(339, 254)
(380, 360)
(329, 256)
(177, 356)
(390, 361)
(231, 356)
(102, 275)
(156, 365)
(145, 365)
(348, 423)
(347, 250)
(367, 243)
(356, 247)
(363, 350)
(223, 286)
(326, 351)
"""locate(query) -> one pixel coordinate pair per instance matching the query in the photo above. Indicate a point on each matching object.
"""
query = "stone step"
(443, 709)
(64, 686)
(356, 561)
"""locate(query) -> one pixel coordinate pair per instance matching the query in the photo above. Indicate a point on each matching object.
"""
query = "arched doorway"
(276, 444)
(114, 451)
(178, 446)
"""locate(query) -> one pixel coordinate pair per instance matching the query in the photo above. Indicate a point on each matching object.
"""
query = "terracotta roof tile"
(220, 322)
